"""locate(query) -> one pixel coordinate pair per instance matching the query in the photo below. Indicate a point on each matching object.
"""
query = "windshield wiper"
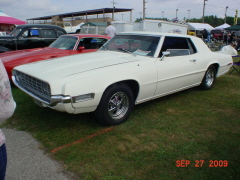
(126, 50)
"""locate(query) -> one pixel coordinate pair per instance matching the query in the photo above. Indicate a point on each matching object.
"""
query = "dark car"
(30, 36)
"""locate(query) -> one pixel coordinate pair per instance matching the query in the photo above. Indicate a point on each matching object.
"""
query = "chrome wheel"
(210, 76)
(118, 105)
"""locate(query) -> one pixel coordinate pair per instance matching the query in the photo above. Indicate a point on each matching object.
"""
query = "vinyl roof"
(84, 13)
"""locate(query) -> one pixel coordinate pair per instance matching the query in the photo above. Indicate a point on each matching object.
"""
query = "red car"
(65, 45)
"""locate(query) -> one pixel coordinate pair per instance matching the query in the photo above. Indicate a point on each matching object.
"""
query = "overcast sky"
(25, 9)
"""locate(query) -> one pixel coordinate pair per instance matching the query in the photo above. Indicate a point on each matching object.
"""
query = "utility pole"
(225, 14)
(144, 9)
(188, 14)
(162, 14)
(176, 13)
(113, 10)
(203, 10)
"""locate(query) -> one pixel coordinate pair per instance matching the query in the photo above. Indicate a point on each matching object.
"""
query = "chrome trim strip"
(167, 93)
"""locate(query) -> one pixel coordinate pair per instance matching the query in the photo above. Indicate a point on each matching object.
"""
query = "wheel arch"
(133, 84)
(216, 66)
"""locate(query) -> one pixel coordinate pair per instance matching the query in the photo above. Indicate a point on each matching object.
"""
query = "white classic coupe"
(129, 69)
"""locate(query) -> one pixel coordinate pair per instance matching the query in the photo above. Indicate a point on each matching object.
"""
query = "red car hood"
(31, 55)
(15, 58)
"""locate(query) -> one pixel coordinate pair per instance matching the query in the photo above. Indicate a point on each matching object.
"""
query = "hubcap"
(209, 77)
(118, 105)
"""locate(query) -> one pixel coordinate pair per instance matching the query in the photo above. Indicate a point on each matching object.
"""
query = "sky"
(26, 9)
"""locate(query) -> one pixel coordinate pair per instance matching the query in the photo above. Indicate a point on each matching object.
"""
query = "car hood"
(58, 68)
(29, 53)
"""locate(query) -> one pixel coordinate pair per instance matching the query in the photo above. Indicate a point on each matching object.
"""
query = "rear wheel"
(116, 105)
(209, 78)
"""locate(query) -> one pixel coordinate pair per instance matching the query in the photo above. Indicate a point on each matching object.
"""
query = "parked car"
(129, 69)
(217, 34)
(63, 46)
(30, 36)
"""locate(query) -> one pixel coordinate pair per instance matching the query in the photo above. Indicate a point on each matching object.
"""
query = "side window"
(59, 33)
(48, 33)
(98, 42)
(92, 43)
(34, 32)
(86, 42)
(30, 33)
(178, 46)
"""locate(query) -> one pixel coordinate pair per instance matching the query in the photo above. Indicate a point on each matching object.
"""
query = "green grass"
(190, 125)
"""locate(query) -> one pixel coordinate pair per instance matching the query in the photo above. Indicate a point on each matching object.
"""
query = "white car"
(129, 69)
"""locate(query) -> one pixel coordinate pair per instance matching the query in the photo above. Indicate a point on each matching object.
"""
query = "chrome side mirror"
(165, 53)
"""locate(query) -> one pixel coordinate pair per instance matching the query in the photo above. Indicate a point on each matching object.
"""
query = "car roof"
(39, 26)
(153, 34)
(87, 35)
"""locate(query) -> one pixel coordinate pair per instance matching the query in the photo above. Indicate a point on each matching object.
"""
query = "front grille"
(33, 85)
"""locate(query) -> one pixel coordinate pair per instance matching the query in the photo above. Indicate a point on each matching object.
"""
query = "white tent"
(199, 26)
(223, 26)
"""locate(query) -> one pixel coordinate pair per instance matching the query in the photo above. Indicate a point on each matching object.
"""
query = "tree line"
(212, 20)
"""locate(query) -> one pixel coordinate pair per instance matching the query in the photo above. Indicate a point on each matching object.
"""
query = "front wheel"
(116, 105)
(209, 78)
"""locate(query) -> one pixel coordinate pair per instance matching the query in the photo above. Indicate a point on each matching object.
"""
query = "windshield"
(15, 32)
(136, 44)
(65, 42)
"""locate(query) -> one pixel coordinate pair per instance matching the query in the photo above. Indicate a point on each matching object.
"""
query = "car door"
(179, 70)
(28, 39)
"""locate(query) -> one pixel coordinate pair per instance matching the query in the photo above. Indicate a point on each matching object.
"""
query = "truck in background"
(67, 26)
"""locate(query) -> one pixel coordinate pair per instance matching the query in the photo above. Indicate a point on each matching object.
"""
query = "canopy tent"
(6, 19)
(223, 26)
(199, 26)
(233, 28)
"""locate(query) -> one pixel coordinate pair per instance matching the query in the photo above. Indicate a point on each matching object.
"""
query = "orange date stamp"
(201, 163)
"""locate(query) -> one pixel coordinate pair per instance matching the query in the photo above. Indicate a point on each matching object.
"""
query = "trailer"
(160, 26)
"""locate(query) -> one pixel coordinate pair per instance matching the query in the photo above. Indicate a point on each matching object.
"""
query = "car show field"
(137, 91)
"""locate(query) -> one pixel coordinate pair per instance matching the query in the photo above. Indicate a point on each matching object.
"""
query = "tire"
(209, 78)
(109, 112)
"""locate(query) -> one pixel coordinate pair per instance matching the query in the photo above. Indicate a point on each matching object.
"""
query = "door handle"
(193, 60)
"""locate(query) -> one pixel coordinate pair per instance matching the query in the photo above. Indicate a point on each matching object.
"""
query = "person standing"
(110, 30)
(7, 107)
(205, 35)
(232, 37)
(225, 38)
(238, 43)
